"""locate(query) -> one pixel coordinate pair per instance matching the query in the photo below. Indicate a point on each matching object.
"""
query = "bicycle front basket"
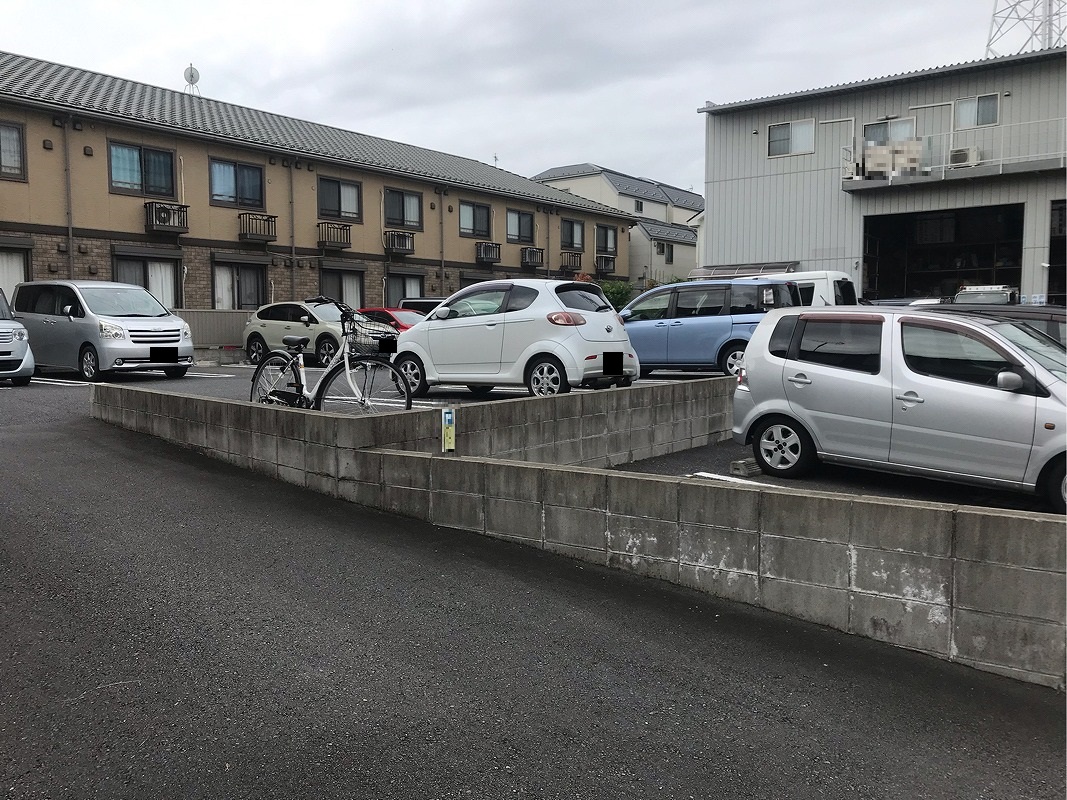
(370, 338)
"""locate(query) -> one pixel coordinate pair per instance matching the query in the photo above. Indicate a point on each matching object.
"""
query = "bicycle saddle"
(295, 342)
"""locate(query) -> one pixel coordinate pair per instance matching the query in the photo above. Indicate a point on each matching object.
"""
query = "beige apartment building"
(217, 206)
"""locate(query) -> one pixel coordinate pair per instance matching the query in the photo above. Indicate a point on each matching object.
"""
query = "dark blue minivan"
(703, 324)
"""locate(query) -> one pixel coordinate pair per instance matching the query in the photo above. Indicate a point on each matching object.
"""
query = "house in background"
(663, 241)
(221, 208)
(915, 184)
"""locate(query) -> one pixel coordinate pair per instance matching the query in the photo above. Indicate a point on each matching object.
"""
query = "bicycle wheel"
(367, 386)
(276, 381)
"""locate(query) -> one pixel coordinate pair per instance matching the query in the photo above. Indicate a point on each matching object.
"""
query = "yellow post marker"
(448, 430)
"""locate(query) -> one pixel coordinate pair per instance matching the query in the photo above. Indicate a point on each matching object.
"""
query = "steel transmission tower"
(1021, 25)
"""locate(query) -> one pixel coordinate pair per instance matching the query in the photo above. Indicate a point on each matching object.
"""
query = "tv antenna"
(1019, 26)
(192, 75)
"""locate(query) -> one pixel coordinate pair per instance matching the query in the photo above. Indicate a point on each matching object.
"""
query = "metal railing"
(254, 227)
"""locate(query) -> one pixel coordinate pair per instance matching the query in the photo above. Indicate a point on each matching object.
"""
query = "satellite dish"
(192, 75)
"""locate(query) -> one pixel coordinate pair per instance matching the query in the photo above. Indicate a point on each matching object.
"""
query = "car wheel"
(1056, 487)
(783, 448)
(545, 376)
(325, 350)
(731, 356)
(255, 349)
(480, 391)
(89, 363)
(175, 372)
(414, 373)
(23, 381)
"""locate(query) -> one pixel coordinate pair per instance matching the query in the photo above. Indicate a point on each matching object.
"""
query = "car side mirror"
(68, 312)
(1009, 381)
(625, 314)
(306, 321)
(441, 312)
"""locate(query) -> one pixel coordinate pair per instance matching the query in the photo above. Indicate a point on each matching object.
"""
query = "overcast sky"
(525, 85)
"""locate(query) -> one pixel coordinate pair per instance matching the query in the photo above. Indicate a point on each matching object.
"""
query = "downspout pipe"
(292, 233)
(64, 121)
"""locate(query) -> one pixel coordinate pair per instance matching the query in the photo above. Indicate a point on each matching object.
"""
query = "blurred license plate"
(161, 354)
(613, 363)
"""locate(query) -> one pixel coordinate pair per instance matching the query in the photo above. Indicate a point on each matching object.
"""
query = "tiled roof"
(58, 87)
(641, 188)
(889, 80)
(665, 232)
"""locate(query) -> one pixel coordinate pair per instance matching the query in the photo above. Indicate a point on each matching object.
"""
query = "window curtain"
(126, 167)
(411, 210)
(352, 289)
(225, 287)
(349, 201)
(159, 173)
(250, 186)
(10, 151)
(163, 282)
(223, 184)
(12, 270)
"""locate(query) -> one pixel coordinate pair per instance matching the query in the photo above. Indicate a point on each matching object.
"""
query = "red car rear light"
(566, 318)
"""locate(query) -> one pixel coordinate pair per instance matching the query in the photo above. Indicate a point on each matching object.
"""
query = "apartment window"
(240, 286)
(400, 286)
(474, 220)
(890, 130)
(520, 226)
(605, 240)
(141, 170)
(666, 250)
(158, 277)
(974, 112)
(12, 270)
(791, 138)
(403, 209)
(344, 285)
(340, 200)
(12, 158)
(234, 184)
(639, 205)
(572, 234)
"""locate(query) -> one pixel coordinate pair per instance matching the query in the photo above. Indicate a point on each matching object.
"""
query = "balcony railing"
(970, 153)
(254, 227)
(532, 257)
(570, 262)
(487, 252)
(605, 264)
(334, 235)
(399, 243)
(166, 217)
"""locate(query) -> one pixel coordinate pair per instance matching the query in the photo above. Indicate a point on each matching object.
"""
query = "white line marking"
(730, 478)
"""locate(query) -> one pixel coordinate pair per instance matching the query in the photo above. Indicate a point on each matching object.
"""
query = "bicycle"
(358, 380)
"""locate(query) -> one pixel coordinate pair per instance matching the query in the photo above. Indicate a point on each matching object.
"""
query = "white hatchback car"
(546, 335)
(969, 399)
(320, 322)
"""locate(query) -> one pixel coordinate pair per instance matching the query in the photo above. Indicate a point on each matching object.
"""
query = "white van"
(817, 287)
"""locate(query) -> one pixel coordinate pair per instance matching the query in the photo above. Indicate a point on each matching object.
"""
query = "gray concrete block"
(411, 470)
(719, 504)
(291, 454)
(451, 474)
(644, 565)
(591, 555)
(406, 502)
(742, 587)
(575, 488)
(1002, 589)
(568, 452)
(215, 438)
(361, 493)
(723, 549)
(804, 560)
(594, 424)
(323, 484)
(297, 477)
(1019, 644)
(514, 519)
(458, 510)
(914, 527)
(815, 515)
(239, 441)
(514, 481)
(320, 459)
(641, 536)
(905, 623)
(576, 526)
(910, 576)
(264, 446)
(648, 496)
(359, 465)
(320, 429)
(594, 448)
(820, 604)
(268, 468)
(1012, 537)
(508, 439)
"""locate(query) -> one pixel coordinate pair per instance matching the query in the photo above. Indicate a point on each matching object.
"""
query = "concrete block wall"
(981, 587)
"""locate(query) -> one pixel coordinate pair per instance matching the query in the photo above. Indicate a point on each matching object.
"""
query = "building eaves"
(60, 88)
(889, 80)
(666, 232)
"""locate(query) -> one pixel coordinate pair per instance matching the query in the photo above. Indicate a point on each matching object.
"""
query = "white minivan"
(964, 398)
(96, 327)
(819, 287)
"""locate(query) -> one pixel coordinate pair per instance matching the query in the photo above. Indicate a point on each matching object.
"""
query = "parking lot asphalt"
(177, 627)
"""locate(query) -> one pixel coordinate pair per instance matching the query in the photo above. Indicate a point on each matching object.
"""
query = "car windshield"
(5, 309)
(583, 297)
(408, 317)
(122, 301)
(1043, 349)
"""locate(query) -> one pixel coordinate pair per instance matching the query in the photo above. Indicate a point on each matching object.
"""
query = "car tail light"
(566, 318)
(742, 377)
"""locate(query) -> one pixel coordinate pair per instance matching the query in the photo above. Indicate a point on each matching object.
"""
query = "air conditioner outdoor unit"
(963, 157)
(166, 215)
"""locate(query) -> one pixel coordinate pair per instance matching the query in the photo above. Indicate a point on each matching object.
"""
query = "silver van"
(96, 327)
(965, 398)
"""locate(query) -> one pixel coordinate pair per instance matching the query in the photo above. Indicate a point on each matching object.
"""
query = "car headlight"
(109, 330)
(187, 332)
(21, 335)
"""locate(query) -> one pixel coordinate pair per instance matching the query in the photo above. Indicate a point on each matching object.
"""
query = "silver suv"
(95, 327)
(970, 399)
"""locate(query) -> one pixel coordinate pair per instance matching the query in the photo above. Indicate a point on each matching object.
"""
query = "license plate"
(613, 363)
(387, 344)
(163, 355)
